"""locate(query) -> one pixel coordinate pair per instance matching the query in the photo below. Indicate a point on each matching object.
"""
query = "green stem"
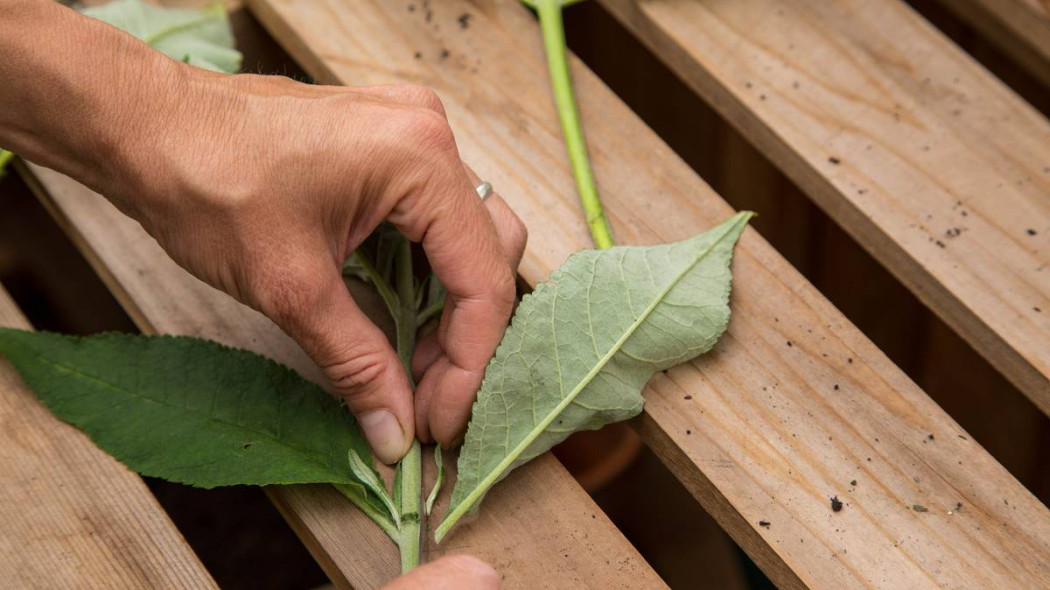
(410, 500)
(549, 12)
(405, 314)
(429, 313)
(389, 297)
(410, 470)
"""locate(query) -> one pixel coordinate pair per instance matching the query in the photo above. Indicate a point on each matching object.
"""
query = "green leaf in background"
(200, 38)
(190, 411)
(583, 345)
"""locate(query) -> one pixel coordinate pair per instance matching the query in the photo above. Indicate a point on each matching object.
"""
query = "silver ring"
(484, 190)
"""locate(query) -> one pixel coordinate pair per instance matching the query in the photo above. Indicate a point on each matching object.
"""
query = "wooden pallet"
(71, 516)
(918, 152)
(792, 407)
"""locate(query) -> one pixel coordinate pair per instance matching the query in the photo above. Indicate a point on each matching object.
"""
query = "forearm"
(76, 93)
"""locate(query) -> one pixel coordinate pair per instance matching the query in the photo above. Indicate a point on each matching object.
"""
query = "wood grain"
(1021, 28)
(70, 515)
(932, 164)
(531, 529)
(792, 406)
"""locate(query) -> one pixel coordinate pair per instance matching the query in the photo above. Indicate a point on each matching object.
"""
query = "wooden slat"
(792, 405)
(71, 516)
(532, 529)
(927, 160)
(1021, 28)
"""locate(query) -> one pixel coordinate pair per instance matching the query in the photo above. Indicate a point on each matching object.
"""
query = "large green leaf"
(200, 38)
(190, 411)
(583, 345)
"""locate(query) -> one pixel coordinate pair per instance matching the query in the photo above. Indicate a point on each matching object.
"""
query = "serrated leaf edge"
(490, 479)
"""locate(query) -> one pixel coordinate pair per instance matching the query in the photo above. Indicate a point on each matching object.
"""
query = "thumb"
(453, 572)
(358, 361)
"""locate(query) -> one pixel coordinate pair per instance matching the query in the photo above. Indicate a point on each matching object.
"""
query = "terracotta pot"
(596, 457)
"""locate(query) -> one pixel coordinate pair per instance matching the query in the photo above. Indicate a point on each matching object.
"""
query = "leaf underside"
(190, 411)
(200, 38)
(583, 345)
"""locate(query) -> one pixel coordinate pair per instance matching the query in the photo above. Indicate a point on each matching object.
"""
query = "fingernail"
(384, 434)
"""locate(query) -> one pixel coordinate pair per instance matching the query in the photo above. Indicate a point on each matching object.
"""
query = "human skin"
(261, 187)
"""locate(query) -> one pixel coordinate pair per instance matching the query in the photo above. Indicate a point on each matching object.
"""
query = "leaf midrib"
(308, 455)
(520, 448)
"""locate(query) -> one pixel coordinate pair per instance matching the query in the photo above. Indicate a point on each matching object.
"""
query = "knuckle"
(505, 287)
(354, 373)
(430, 132)
(421, 96)
(519, 233)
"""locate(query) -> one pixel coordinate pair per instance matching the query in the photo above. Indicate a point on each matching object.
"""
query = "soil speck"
(836, 504)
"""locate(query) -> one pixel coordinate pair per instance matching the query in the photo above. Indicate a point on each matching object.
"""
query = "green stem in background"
(5, 159)
(549, 12)
(388, 295)
(408, 486)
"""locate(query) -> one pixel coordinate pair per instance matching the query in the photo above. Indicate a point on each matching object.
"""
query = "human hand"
(262, 187)
(454, 572)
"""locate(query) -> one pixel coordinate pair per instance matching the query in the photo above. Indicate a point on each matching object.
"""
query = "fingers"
(353, 353)
(454, 572)
(512, 236)
(446, 392)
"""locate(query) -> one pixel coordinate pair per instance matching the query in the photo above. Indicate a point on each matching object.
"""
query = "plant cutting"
(576, 356)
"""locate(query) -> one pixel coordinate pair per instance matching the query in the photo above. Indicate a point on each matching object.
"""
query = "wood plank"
(928, 161)
(792, 405)
(1021, 28)
(531, 529)
(70, 515)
